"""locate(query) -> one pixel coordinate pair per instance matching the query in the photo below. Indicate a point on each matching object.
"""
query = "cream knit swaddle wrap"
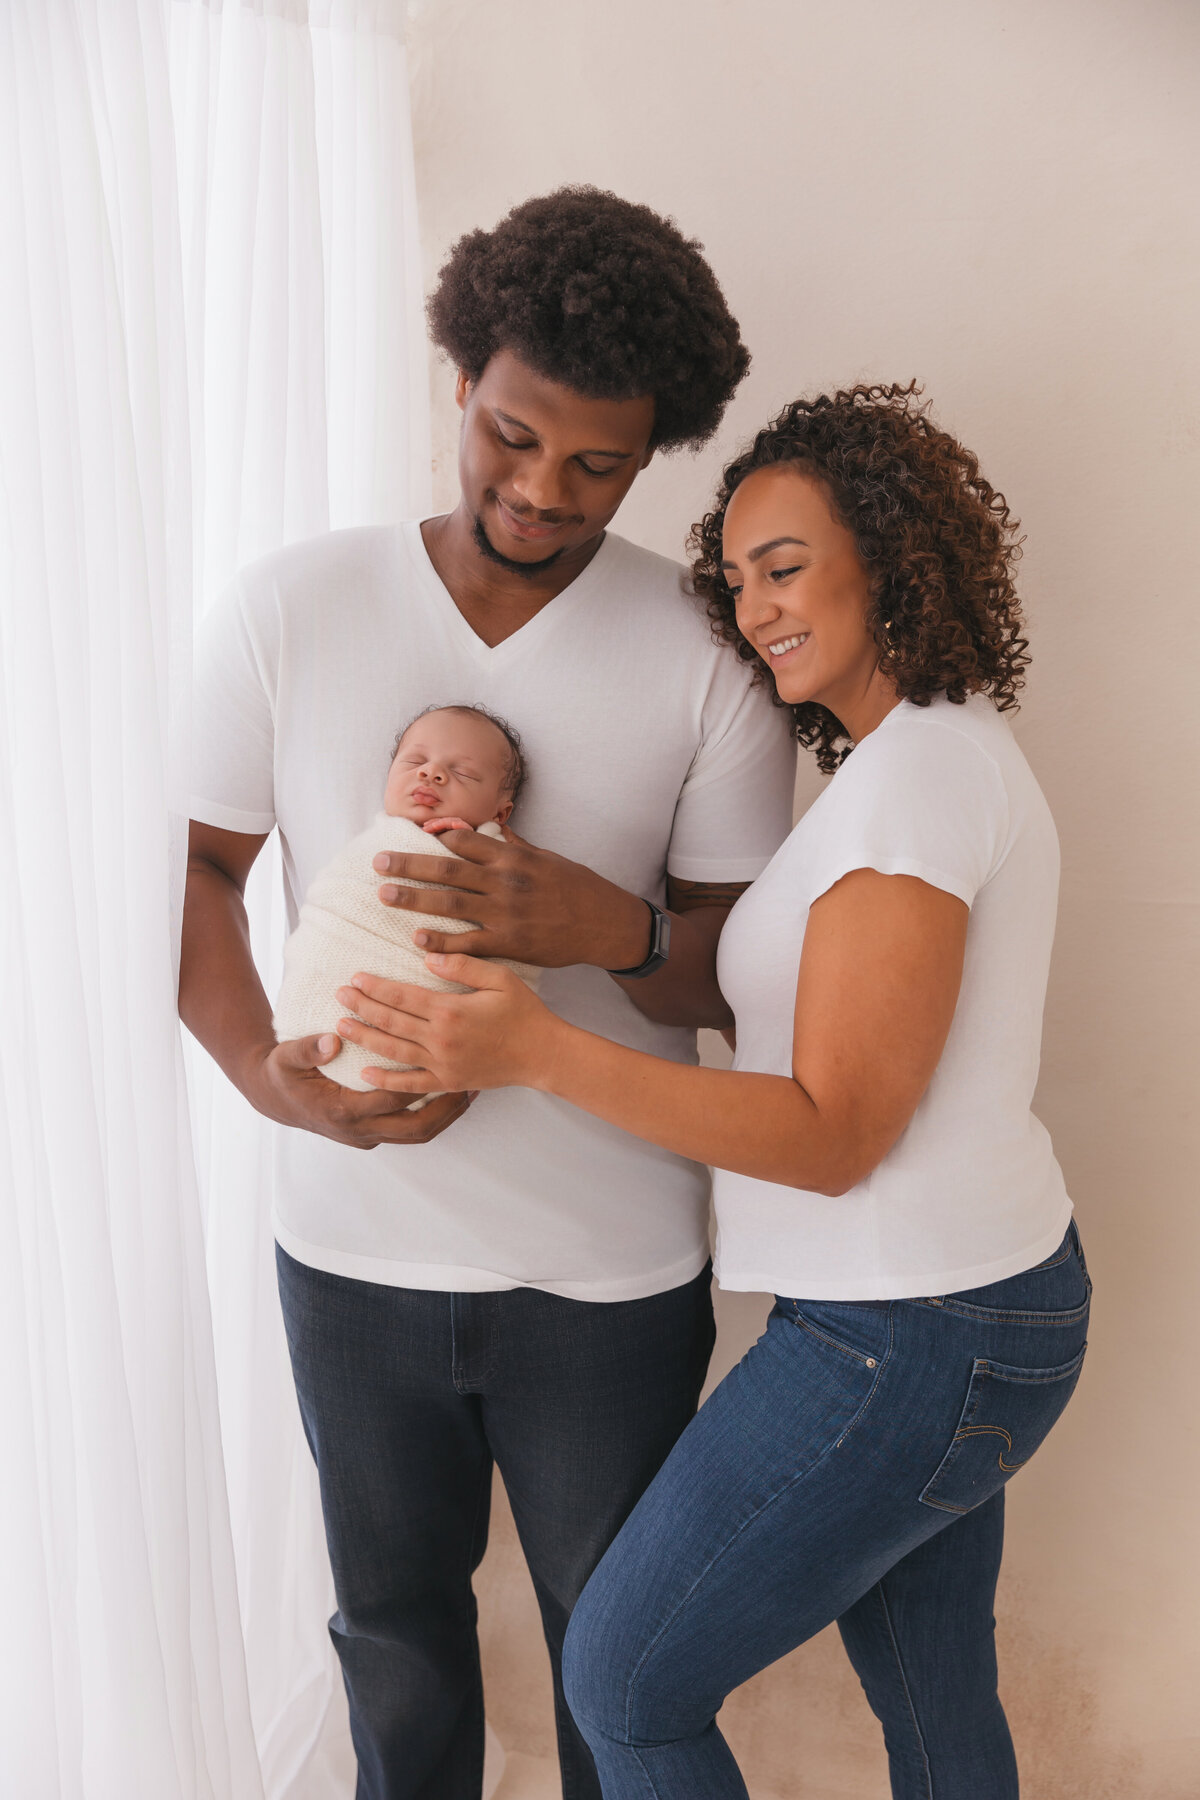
(345, 927)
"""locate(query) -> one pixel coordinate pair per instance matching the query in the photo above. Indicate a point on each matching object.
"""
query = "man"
(507, 1280)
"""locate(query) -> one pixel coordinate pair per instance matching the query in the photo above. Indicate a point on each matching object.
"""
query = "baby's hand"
(437, 826)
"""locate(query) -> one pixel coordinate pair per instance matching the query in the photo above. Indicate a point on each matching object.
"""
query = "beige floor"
(529, 1778)
(536, 1778)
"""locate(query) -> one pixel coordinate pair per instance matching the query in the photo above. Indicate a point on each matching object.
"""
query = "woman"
(877, 1162)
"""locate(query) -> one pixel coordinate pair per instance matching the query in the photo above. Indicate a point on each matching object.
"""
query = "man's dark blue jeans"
(407, 1399)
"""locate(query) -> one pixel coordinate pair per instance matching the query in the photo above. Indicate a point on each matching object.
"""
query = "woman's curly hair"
(602, 296)
(937, 541)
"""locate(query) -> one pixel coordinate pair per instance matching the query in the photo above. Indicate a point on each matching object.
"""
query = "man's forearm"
(684, 991)
(221, 999)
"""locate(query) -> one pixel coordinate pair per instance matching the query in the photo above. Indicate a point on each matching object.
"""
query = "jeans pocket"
(1007, 1414)
(861, 1330)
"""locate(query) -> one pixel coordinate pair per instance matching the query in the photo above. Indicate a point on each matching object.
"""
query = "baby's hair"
(514, 774)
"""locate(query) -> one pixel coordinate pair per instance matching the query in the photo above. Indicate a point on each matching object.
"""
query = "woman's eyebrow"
(760, 550)
(520, 425)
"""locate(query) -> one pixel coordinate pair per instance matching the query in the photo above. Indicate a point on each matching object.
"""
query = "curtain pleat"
(210, 345)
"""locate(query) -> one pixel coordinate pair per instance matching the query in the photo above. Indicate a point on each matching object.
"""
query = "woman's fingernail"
(327, 1043)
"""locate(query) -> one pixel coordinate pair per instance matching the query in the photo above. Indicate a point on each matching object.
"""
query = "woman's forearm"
(760, 1125)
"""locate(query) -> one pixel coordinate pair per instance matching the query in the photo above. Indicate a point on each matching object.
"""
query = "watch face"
(660, 943)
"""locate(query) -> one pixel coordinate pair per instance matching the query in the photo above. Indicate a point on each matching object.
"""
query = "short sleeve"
(918, 799)
(735, 807)
(233, 731)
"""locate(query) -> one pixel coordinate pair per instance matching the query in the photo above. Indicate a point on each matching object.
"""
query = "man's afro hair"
(602, 296)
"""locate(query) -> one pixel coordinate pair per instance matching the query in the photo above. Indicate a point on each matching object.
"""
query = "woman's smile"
(783, 649)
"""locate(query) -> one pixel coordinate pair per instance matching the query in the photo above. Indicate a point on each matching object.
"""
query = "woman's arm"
(878, 984)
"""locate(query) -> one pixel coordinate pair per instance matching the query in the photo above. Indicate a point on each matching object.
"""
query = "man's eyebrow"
(761, 550)
(520, 425)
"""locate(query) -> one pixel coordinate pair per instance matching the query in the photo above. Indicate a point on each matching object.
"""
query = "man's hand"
(285, 1082)
(530, 904)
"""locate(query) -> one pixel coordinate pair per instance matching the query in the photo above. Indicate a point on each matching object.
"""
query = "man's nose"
(539, 484)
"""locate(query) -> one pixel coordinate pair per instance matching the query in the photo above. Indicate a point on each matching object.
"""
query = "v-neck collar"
(576, 593)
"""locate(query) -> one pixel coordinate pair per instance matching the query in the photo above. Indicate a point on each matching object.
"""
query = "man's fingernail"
(326, 1044)
(388, 893)
(420, 939)
(475, 1094)
(381, 861)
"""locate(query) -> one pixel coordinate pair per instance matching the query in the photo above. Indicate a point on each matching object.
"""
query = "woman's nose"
(755, 607)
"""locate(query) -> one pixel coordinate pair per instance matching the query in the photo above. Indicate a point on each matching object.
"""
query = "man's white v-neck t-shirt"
(648, 752)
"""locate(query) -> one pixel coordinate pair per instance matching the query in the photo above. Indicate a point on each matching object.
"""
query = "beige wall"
(996, 198)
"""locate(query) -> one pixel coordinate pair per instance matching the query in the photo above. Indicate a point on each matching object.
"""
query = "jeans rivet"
(935, 1303)
(870, 1362)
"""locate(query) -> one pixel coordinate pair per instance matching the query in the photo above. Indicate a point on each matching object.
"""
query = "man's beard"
(485, 546)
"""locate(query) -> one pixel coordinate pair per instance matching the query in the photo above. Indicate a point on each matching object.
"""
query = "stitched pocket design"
(861, 1331)
(1007, 1414)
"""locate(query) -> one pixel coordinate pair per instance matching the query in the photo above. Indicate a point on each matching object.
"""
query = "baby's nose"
(433, 772)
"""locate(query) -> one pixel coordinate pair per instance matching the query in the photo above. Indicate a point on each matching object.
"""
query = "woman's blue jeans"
(852, 1467)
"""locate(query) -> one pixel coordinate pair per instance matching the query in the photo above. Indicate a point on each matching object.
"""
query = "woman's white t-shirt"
(648, 753)
(971, 1192)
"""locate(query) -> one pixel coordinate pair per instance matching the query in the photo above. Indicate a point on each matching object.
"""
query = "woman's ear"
(504, 814)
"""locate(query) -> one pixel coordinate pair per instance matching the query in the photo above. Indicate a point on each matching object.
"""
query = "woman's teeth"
(786, 644)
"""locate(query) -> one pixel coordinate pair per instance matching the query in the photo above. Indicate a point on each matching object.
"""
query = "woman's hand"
(500, 1033)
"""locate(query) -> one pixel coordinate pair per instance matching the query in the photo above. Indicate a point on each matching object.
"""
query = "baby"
(453, 768)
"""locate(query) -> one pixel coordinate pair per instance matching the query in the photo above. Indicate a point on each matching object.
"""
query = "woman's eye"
(782, 574)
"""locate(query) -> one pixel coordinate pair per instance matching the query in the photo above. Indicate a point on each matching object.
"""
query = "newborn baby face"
(450, 765)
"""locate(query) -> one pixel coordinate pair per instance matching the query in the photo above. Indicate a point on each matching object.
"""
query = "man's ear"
(462, 388)
(646, 460)
(504, 814)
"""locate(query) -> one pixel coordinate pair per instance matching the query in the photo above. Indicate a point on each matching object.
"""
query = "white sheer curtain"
(210, 343)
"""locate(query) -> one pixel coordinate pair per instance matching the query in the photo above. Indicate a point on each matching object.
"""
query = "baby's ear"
(504, 813)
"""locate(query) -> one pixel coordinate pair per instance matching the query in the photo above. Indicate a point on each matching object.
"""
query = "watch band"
(660, 946)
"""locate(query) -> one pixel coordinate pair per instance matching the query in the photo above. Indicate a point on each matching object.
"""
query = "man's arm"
(224, 1006)
(534, 906)
(684, 991)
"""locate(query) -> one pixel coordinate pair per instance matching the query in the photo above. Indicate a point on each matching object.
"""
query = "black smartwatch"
(660, 946)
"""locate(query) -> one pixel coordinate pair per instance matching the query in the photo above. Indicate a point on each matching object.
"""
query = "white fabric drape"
(122, 1671)
(210, 344)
